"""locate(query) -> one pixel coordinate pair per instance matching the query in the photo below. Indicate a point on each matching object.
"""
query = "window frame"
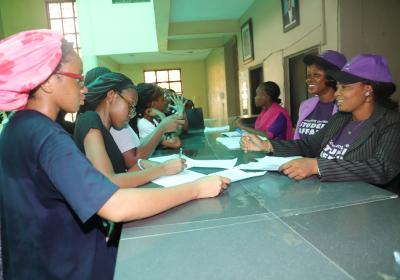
(168, 81)
(74, 18)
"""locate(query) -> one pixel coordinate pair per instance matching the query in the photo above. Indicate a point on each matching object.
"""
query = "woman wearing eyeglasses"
(52, 199)
(110, 102)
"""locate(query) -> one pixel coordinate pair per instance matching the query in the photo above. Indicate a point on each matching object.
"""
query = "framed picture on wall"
(290, 14)
(247, 41)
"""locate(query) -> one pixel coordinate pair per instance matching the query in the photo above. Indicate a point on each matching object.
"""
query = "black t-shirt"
(50, 195)
(89, 120)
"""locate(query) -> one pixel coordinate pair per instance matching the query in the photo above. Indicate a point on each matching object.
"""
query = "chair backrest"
(195, 118)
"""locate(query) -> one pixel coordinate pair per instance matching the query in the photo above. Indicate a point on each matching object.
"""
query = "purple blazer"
(306, 107)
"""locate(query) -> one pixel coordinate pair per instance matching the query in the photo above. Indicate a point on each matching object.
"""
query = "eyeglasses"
(131, 106)
(78, 77)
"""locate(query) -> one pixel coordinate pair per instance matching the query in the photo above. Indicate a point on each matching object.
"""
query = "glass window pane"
(163, 85)
(162, 76)
(71, 38)
(149, 76)
(66, 8)
(177, 86)
(69, 25)
(56, 24)
(75, 10)
(54, 10)
(174, 75)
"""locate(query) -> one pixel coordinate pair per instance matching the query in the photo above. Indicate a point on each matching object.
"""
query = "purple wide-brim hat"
(364, 67)
(328, 60)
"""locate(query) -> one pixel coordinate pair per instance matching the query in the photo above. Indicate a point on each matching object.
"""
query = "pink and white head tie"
(27, 59)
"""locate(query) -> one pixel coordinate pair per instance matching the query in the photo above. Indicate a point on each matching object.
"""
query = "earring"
(367, 93)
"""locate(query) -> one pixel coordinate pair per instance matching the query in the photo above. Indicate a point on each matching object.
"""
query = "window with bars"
(62, 17)
(168, 78)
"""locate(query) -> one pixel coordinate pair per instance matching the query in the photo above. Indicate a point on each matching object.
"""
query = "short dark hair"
(94, 73)
(272, 89)
(382, 92)
(147, 93)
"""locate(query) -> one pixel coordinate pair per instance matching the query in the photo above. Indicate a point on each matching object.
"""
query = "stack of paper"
(211, 163)
(236, 174)
(185, 176)
(231, 134)
(216, 128)
(231, 143)
(208, 163)
(266, 163)
(164, 158)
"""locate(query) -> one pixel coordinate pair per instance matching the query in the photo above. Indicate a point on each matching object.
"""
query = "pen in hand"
(180, 152)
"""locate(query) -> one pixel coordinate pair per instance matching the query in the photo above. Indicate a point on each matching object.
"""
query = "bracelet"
(139, 164)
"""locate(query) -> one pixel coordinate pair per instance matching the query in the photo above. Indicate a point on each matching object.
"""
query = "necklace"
(357, 124)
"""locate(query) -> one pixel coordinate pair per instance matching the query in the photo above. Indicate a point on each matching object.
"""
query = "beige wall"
(194, 82)
(318, 27)
(109, 63)
(215, 65)
(370, 26)
(231, 75)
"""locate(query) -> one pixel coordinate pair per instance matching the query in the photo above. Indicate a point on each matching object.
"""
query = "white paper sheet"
(210, 163)
(181, 178)
(164, 158)
(237, 174)
(232, 143)
(218, 163)
(231, 134)
(266, 163)
(217, 128)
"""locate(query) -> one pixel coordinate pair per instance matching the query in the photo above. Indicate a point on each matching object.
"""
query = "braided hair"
(98, 89)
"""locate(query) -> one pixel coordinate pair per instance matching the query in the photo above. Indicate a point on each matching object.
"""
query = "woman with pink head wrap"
(52, 199)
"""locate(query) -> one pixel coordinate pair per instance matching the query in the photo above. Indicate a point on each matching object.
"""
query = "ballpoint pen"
(180, 152)
(240, 131)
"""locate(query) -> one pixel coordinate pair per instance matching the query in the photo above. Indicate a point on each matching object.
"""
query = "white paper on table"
(232, 143)
(185, 176)
(212, 163)
(237, 174)
(217, 128)
(231, 134)
(164, 158)
(266, 163)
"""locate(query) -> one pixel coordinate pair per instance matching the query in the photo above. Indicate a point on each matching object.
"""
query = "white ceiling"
(190, 29)
(198, 10)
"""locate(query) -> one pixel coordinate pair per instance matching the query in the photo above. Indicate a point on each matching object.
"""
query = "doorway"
(256, 78)
(297, 82)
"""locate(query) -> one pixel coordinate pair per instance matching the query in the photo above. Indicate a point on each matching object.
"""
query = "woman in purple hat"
(358, 144)
(315, 112)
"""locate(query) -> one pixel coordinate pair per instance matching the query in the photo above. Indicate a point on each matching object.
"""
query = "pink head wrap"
(27, 59)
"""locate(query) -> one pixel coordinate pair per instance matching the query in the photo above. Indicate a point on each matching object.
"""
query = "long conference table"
(267, 227)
